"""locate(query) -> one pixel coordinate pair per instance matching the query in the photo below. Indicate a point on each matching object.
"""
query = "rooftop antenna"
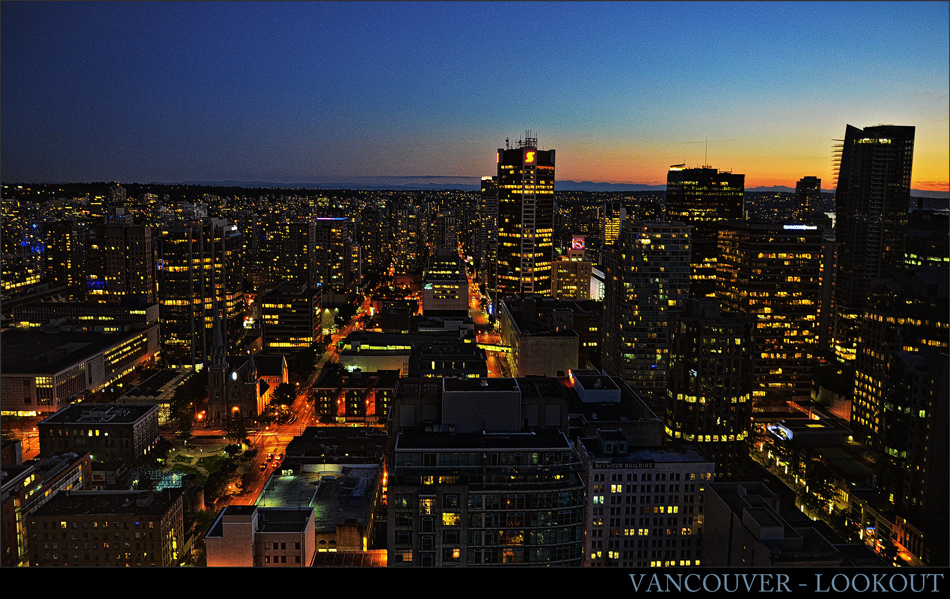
(507, 145)
(706, 155)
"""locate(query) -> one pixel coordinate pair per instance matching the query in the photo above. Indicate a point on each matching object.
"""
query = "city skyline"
(304, 92)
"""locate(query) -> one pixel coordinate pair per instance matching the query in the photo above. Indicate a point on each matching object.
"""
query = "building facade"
(109, 528)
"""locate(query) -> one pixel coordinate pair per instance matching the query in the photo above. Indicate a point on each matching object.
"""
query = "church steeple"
(251, 374)
(219, 353)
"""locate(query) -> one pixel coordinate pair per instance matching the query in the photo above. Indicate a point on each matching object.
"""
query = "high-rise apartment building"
(297, 256)
(122, 264)
(872, 201)
(648, 279)
(703, 198)
(709, 397)
(332, 253)
(525, 218)
(773, 273)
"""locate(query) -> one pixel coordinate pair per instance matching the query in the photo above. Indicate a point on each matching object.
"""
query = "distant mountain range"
(436, 182)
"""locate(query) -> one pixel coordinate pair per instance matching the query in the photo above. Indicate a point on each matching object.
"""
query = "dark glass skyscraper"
(525, 218)
(702, 198)
(807, 198)
(872, 201)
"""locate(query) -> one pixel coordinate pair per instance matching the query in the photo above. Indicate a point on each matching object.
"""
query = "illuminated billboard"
(577, 242)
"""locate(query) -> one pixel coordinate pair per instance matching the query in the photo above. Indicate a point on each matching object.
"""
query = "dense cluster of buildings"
(668, 375)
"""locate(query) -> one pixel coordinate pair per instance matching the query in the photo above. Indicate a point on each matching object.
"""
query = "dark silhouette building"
(872, 201)
(703, 198)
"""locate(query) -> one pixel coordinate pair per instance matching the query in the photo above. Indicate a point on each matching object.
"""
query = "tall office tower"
(444, 235)
(122, 262)
(297, 259)
(648, 279)
(65, 257)
(907, 313)
(198, 267)
(807, 199)
(525, 218)
(772, 272)
(709, 396)
(703, 198)
(611, 219)
(872, 200)
(487, 260)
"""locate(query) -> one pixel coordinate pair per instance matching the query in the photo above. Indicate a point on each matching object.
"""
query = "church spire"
(218, 350)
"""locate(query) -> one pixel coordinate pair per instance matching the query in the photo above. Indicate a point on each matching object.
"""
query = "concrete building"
(108, 528)
(644, 505)
(42, 372)
(291, 317)
(445, 285)
(743, 528)
(28, 486)
(248, 536)
(549, 337)
(110, 432)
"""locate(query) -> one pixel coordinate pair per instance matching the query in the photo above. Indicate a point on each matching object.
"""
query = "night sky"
(308, 91)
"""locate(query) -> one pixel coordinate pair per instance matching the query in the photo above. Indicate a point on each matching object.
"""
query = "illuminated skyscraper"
(872, 201)
(709, 396)
(123, 264)
(525, 218)
(647, 282)
(907, 313)
(703, 198)
(772, 272)
(198, 268)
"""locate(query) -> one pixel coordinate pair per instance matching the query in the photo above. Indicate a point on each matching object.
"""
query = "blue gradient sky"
(304, 91)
